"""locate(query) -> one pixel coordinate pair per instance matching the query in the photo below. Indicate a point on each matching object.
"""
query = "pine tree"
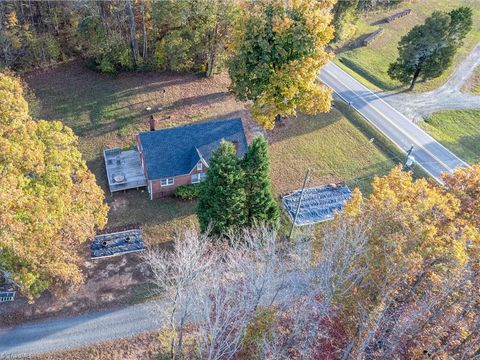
(261, 207)
(222, 199)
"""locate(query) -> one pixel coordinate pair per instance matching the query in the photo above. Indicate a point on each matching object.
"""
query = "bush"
(187, 192)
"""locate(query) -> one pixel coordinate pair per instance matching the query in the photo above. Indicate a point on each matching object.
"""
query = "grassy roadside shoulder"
(458, 130)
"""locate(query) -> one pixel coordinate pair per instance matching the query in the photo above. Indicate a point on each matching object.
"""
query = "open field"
(106, 111)
(335, 146)
(458, 130)
(473, 84)
(370, 64)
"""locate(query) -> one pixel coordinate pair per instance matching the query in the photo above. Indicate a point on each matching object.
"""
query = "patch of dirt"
(142, 347)
(109, 283)
(472, 85)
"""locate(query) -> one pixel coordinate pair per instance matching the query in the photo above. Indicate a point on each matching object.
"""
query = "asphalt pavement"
(73, 332)
(432, 156)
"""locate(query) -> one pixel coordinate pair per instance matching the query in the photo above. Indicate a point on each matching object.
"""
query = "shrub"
(187, 192)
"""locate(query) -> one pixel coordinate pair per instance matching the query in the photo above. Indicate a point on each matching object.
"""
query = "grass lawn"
(370, 64)
(458, 130)
(335, 146)
(106, 111)
(473, 84)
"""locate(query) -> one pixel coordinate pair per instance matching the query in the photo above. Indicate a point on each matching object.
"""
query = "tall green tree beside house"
(428, 49)
(261, 207)
(277, 59)
(221, 202)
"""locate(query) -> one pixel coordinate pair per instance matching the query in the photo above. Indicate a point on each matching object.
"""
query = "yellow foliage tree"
(279, 56)
(49, 201)
(422, 263)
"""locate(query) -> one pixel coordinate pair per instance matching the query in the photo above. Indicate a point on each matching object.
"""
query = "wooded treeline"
(114, 35)
(183, 35)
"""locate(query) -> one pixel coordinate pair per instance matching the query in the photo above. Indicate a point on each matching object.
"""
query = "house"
(165, 159)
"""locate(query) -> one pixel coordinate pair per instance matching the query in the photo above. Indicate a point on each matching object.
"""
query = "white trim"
(197, 177)
(167, 182)
(200, 166)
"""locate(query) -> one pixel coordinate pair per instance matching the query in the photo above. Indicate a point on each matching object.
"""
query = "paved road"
(417, 106)
(429, 154)
(59, 334)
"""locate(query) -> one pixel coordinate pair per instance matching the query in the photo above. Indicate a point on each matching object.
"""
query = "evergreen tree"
(428, 49)
(261, 207)
(221, 202)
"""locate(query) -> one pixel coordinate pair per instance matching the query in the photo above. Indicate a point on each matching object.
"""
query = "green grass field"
(370, 64)
(335, 146)
(458, 130)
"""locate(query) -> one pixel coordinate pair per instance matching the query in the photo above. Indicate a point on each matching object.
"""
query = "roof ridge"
(199, 123)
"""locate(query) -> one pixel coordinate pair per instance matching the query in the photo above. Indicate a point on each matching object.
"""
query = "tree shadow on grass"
(302, 124)
(470, 146)
(367, 75)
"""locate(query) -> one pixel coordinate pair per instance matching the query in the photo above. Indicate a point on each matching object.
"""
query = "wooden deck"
(124, 169)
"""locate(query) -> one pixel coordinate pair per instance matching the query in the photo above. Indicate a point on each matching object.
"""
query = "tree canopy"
(421, 285)
(278, 58)
(183, 35)
(221, 202)
(261, 207)
(427, 50)
(49, 200)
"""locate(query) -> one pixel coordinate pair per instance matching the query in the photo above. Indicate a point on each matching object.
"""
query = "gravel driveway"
(418, 106)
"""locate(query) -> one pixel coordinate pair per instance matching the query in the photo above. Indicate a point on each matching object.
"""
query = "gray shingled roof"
(175, 151)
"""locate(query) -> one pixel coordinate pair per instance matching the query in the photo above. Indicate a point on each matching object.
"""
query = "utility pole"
(299, 203)
(410, 160)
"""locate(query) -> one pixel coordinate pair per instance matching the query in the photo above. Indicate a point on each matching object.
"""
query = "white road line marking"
(453, 156)
(448, 168)
(436, 178)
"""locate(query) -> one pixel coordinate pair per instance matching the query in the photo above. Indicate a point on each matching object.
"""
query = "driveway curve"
(418, 106)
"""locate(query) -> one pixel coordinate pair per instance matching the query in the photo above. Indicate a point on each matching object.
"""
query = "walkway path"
(418, 106)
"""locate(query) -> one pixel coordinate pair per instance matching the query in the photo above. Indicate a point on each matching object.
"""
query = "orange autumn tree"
(49, 200)
(420, 295)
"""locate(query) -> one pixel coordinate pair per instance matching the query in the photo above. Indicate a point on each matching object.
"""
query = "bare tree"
(221, 289)
(175, 273)
(133, 31)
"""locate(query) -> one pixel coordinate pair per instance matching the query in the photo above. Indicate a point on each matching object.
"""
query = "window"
(167, 182)
(200, 166)
(196, 178)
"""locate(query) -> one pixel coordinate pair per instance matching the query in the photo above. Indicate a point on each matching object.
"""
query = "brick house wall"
(157, 191)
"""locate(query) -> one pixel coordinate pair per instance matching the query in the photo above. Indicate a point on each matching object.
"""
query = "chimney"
(235, 144)
(151, 121)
